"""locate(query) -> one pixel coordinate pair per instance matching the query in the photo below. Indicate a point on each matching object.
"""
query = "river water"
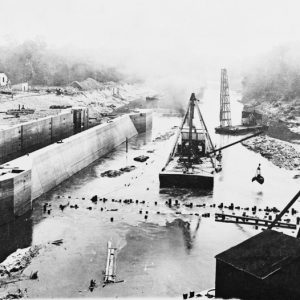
(155, 256)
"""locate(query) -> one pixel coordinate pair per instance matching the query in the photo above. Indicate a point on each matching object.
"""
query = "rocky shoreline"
(281, 154)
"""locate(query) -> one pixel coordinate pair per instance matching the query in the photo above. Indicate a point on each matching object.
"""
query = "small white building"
(22, 87)
(3, 79)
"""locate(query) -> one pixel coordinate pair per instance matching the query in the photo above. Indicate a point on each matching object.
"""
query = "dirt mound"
(87, 84)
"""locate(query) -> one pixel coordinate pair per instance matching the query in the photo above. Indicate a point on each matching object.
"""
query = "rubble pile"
(279, 153)
(141, 158)
(17, 294)
(164, 137)
(18, 260)
(115, 173)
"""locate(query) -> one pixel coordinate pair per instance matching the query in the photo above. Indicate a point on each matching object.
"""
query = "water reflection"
(188, 235)
(15, 234)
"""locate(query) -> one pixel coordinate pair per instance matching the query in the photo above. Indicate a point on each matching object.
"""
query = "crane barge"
(193, 160)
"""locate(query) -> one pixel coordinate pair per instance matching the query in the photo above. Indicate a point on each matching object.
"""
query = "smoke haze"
(175, 46)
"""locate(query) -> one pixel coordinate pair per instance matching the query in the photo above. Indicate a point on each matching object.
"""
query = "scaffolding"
(225, 112)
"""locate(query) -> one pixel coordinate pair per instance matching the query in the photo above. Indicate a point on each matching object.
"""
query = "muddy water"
(155, 257)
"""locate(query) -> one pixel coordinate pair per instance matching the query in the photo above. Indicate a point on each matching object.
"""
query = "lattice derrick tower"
(225, 112)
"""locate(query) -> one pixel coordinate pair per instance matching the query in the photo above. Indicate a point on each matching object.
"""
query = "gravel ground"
(98, 102)
(281, 154)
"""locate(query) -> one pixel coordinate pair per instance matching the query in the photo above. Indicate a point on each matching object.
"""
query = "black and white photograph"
(150, 149)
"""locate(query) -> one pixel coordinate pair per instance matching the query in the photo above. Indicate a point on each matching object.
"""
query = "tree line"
(274, 76)
(32, 61)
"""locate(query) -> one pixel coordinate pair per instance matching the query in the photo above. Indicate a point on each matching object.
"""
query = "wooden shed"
(251, 118)
(266, 266)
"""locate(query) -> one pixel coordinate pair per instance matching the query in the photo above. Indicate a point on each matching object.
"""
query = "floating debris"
(164, 137)
(94, 199)
(141, 158)
(63, 206)
(34, 275)
(115, 173)
(57, 242)
(92, 285)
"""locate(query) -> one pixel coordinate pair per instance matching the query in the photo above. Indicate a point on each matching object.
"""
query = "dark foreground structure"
(266, 266)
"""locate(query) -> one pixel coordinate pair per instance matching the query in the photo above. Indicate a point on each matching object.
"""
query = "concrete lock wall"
(142, 120)
(28, 177)
(10, 143)
(54, 164)
(30, 136)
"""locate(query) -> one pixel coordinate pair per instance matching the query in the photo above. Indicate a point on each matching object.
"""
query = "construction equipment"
(279, 216)
(193, 159)
(245, 220)
(188, 164)
(258, 176)
(250, 121)
(236, 142)
(225, 112)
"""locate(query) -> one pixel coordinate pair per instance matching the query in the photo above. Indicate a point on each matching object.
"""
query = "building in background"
(3, 79)
(21, 87)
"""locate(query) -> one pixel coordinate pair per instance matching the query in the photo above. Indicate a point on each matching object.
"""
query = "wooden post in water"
(126, 144)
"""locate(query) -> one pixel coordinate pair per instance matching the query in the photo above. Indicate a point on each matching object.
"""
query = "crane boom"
(236, 142)
(279, 216)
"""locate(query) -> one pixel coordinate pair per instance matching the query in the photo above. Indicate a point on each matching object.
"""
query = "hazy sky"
(156, 37)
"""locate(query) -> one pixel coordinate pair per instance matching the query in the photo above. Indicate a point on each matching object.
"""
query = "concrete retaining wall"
(10, 143)
(142, 120)
(28, 177)
(30, 136)
(55, 163)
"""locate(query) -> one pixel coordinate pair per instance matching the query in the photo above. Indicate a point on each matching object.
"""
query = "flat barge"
(239, 129)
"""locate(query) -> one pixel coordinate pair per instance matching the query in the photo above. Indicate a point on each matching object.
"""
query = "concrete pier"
(28, 177)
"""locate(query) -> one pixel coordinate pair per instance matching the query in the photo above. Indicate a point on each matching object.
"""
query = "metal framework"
(225, 112)
(252, 221)
(188, 118)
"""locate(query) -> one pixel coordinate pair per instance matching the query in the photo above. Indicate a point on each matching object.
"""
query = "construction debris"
(115, 173)
(280, 153)
(34, 275)
(141, 158)
(18, 260)
(57, 242)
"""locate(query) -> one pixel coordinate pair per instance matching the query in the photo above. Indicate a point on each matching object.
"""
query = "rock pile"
(281, 154)
(164, 137)
(18, 260)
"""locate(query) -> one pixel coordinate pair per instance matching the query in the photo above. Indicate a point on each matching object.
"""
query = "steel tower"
(225, 112)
